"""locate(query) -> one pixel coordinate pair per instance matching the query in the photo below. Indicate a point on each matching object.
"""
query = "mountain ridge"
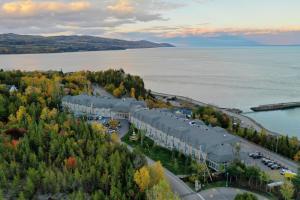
(11, 43)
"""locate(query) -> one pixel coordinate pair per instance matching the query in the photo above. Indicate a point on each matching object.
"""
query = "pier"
(278, 106)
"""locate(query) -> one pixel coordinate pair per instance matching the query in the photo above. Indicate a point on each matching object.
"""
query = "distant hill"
(21, 44)
(212, 41)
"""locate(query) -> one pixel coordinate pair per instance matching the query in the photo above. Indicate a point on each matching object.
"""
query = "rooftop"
(215, 141)
(117, 105)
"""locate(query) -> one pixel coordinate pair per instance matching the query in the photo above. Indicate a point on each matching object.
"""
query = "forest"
(46, 153)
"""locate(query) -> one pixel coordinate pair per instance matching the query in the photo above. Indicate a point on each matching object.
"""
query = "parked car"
(256, 155)
(270, 164)
(283, 170)
(275, 166)
(265, 161)
(268, 161)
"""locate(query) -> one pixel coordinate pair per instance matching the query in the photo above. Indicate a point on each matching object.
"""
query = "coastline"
(245, 121)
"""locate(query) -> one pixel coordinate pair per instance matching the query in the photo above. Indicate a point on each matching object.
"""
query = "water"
(228, 77)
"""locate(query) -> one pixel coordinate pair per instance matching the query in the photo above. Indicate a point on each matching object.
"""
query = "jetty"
(276, 106)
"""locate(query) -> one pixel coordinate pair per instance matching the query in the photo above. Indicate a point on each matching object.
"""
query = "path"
(223, 193)
(97, 90)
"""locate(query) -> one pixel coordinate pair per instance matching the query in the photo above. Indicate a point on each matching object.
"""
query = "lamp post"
(226, 179)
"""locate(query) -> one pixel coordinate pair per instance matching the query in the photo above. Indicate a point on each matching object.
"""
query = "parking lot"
(248, 148)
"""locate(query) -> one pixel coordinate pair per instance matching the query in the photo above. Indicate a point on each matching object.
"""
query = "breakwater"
(278, 106)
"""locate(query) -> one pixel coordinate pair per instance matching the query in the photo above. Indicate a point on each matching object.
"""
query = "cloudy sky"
(265, 21)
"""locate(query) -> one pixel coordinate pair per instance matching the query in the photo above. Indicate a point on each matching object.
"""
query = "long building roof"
(215, 141)
(125, 105)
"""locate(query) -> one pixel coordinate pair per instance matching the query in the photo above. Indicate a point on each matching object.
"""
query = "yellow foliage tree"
(156, 173)
(132, 92)
(297, 156)
(113, 123)
(142, 178)
(21, 114)
(117, 92)
(99, 128)
(115, 138)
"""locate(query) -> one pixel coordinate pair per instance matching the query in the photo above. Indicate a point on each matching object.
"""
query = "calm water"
(230, 77)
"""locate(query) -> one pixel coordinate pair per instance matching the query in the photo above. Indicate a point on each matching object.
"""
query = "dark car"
(256, 155)
(270, 164)
(275, 166)
(265, 160)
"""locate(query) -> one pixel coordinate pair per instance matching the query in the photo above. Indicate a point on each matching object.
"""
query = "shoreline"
(245, 121)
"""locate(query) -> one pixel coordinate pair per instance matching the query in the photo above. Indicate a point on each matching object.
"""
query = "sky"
(275, 22)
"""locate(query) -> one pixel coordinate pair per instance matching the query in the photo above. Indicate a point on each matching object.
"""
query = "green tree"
(3, 107)
(161, 191)
(29, 188)
(296, 182)
(287, 190)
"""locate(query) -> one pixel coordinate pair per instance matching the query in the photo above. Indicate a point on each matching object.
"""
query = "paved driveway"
(225, 194)
(124, 127)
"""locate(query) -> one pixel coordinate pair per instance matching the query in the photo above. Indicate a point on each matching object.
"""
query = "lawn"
(174, 161)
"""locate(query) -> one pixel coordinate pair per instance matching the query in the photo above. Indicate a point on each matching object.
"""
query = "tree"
(161, 191)
(71, 162)
(3, 107)
(132, 93)
(1, 195)
(245, 196)
(201, 170)
(156, 173)
(117, 92)
(142, 178)
(21, 196)
(297, 156)
(113, 123)
(296, 182)
(29, 188)
(115, 137)
(287, 190)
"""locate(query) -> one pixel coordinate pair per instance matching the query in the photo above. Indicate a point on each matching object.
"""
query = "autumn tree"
(156, 171)
(142, 178)
(161, 191)
(132, 93)
(287, 190)
(297, 156)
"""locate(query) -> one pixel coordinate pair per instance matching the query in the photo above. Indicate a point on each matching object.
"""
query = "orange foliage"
(15, 143)
(71, 162)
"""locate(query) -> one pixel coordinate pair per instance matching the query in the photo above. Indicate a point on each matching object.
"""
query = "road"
(225, 194)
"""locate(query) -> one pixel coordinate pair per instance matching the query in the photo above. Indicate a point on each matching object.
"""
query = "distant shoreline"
(33, 44)
(248, 122)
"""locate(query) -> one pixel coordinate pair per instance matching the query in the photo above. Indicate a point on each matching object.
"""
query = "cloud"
(204, 30)
(121, 6)
(30, 7)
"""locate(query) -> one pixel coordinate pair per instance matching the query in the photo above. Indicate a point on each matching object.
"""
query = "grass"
(174, 161)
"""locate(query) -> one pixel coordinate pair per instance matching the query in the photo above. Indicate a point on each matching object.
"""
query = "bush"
(245, 196)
